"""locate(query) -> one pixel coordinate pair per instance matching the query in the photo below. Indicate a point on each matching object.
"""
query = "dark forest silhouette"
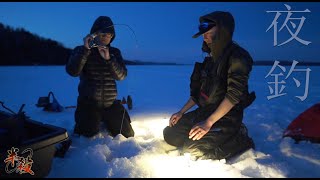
(20, 47)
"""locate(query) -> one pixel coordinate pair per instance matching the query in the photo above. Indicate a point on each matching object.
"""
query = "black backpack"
(53, 106)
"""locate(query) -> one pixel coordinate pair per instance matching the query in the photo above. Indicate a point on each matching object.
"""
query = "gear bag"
(53, 106)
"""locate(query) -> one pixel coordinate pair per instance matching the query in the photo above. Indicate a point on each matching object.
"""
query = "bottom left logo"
(19, 164)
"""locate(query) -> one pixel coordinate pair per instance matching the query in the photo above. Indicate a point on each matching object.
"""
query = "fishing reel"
(127, 101)
(94, 42)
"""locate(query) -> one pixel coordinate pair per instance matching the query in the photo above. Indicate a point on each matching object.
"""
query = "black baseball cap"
(204, 27)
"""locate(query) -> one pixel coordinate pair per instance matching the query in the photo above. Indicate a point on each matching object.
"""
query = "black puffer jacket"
(97, 76)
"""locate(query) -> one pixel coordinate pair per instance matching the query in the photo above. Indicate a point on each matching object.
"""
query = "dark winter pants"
(115, 118)
(216, 144)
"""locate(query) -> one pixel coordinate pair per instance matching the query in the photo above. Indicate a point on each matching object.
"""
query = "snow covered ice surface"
(158, 92)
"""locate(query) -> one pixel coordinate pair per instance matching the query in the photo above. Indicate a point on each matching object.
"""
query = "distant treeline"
(286, 63)
(137, 62)
(20, 47)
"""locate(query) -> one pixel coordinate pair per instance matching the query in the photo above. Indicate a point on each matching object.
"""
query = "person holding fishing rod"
(99, 66)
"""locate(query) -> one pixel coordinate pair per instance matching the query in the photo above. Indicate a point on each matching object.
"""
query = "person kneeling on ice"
(99, 65)
(219, 86)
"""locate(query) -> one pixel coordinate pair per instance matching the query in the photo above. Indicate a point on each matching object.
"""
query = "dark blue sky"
(163, 30)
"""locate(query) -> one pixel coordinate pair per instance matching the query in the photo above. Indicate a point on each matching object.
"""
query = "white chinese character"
(285, 24)
(276, 91)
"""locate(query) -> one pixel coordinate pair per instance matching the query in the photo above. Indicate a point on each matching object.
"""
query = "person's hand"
(199, 130)
(104, 52)
(175, 118)
(86, 41)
